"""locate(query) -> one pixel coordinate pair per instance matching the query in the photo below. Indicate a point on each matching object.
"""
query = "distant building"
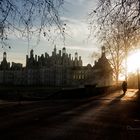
(102, 71)
(56, 59)
(54, 70)
(57, 70)
(4, 64)
(101, 74)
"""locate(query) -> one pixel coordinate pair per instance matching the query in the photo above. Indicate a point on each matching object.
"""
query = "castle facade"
(58, 70)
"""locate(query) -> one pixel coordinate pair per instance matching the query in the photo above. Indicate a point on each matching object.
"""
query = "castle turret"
(70, 56)
(54, 51)
(80, 61)
(64, 51)
(31, 54)
(36, 58)
(4, 64)
(27, 60)
(59, 52)
(103, 51)
(4, 56)
(76, 55)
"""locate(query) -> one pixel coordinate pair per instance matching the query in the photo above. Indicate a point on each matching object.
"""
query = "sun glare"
(134, 62)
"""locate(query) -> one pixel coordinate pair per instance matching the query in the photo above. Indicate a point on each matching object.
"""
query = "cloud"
(79, 8)
(76, 39)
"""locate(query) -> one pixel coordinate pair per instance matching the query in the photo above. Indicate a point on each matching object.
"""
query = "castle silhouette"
(57, 70)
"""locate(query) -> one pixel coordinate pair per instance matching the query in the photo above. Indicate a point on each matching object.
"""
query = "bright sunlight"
(134, 62)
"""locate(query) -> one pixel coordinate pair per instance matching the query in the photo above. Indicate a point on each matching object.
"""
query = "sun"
(133, 62)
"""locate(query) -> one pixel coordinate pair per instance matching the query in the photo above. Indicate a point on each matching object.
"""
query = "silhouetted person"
(124, 87)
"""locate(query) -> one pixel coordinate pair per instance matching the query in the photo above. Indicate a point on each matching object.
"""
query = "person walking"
(124, 87)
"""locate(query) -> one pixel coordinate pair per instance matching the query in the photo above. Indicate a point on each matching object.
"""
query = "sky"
(74, 14)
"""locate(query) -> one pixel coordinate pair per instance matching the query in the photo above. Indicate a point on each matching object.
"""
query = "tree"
(30, 17)
(115, 53)
(117, 24)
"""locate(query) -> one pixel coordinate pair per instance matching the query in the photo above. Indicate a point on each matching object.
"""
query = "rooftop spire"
(4, 56)
(103, 50)
(54, 49)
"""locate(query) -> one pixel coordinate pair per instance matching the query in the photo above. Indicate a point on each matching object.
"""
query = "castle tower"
(70, 56)
(4, 56)
(80, 61)
(31, 53)
(4, 64)
(76, 55)
(54, 51)
(27, 60)
(103, 51)
(64, 51)
(59, 52)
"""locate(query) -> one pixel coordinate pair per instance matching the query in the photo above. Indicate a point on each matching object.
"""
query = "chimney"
(59, 52)
(35, 57)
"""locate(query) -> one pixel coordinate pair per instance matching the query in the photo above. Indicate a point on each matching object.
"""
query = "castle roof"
(103, 62)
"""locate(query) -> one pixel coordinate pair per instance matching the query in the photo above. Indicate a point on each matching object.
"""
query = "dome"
(89, 65)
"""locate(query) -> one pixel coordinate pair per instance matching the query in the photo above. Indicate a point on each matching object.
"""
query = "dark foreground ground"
(109, 117)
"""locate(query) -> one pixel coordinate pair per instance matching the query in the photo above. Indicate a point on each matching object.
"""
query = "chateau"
(58, 70)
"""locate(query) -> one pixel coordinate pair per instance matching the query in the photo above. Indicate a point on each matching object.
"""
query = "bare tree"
(30, 17)
(117, 26)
